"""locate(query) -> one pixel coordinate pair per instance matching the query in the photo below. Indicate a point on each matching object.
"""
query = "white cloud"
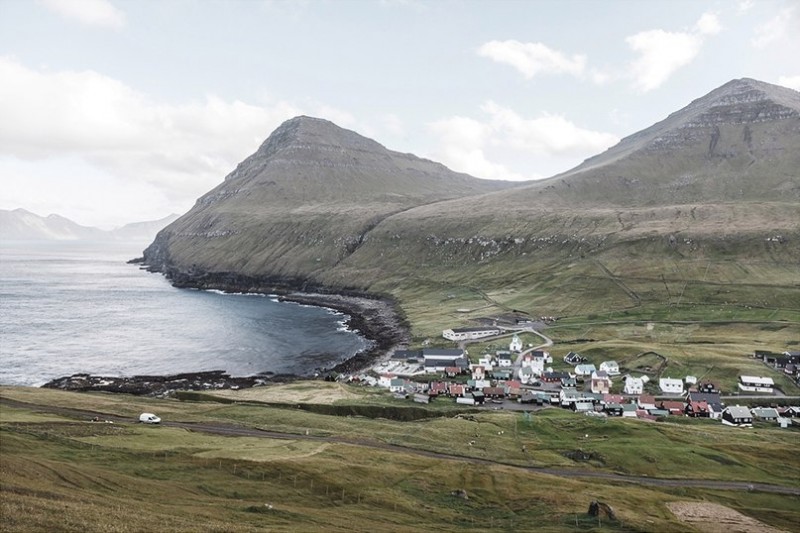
(544, 143)
(127, 136)
(662, 53)
(785, 24)
(708, 24)
(793, 82)
(99, 13)
(532, 59)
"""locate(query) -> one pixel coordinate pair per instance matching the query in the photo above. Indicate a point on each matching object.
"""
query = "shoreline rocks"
(374, 318)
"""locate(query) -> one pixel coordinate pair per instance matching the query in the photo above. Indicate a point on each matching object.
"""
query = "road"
(218, 428)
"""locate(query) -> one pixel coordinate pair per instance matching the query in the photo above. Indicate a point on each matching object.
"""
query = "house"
(711, 399)
(613, 409)
(436, 388)
(516, 344)
(670, 386)
(736, 415)
(658, 412)
(534, 362)
(486, 361)
(613, 398)
(765, 413)
(789, 412)
(545, 355)
(646, 402)
(478, 384)
(494, 392)
(385, 380)
(690, 380)
(707, 386)
(697, 410)
(568, 396)
(633, 385)
(470, 334)
(610, 367)
(422, 398)
(582, 405)
(554, 377)
(504, 360)
(629, 410)
(478, 372)
(584, 370)
(397, 385)
(456, 389)
(756, 384)
(601, 382)
(407, 355)
(573, 358)
(569, 381)
(525, 375)
(673, 407)
(478, 397)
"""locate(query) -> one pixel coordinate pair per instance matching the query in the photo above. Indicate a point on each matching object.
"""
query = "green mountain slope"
(702, 207)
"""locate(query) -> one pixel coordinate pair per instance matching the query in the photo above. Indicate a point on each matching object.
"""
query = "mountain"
(703, 206)
(303, 202)
(22, 225)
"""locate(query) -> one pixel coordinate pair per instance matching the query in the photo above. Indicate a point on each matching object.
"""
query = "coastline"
(374, 318)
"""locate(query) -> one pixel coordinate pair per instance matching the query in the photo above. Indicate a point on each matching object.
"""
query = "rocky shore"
(376, 319)
(163, 385)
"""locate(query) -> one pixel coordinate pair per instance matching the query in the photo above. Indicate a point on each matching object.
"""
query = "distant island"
(22, 225)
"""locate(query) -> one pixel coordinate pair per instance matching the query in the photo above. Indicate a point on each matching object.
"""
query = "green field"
(60, 472)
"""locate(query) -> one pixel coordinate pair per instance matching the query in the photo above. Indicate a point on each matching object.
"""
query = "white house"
(756, 384)
(526, 375)
(610, 367)
(486, 362)
(584, 370)
(504, 360)
(690, 380)
(671, 386)
(516, 344)
(633, 385)
(601, 382)
(468, 334)
(385, 380)
(478, 372)
(536, 364)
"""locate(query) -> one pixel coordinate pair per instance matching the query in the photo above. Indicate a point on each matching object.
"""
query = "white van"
(149, 418)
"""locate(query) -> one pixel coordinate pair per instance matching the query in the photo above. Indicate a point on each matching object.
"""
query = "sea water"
(68, 307)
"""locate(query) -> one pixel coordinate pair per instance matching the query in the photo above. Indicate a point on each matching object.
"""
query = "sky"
(116, 111)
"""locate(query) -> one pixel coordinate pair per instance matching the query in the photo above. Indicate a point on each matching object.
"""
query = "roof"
(469, 330)
(737, 411)
(765, 412)
(671, 381)
(756, 380)
(438, 352)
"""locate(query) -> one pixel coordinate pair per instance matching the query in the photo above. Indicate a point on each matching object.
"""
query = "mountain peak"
(307, 132)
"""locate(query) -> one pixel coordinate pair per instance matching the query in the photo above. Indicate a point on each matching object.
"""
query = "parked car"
(149, 418)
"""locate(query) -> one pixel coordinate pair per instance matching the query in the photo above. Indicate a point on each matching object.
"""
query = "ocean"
(73, 307)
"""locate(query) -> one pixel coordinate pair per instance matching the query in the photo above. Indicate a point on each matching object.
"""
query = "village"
(509, 375)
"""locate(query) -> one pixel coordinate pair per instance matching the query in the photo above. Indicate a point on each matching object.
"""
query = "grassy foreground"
(65, 473)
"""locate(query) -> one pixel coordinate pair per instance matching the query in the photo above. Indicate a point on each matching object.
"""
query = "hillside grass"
(61, 473)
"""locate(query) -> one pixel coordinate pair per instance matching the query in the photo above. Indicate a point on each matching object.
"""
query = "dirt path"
(240, 431)
(715, 518)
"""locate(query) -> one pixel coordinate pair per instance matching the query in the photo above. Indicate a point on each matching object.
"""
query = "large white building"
(756, 384)
(671, 386)
(633, 385)
(469, 334)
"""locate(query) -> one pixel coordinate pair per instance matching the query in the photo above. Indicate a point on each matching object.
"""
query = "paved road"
(239, 431)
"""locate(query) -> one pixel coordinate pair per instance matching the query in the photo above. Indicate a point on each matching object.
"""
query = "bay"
(76, 307)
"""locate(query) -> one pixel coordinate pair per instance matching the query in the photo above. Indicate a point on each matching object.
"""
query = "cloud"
(547, 144)
(780, 27)
(532, 59)
(662, 53)
(793, 82)
(84, 119)
(100, 13)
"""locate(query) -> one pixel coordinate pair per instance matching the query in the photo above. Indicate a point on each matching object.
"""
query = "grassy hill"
(60, 472)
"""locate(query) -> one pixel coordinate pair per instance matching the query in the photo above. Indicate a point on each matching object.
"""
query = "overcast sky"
(114, 111)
